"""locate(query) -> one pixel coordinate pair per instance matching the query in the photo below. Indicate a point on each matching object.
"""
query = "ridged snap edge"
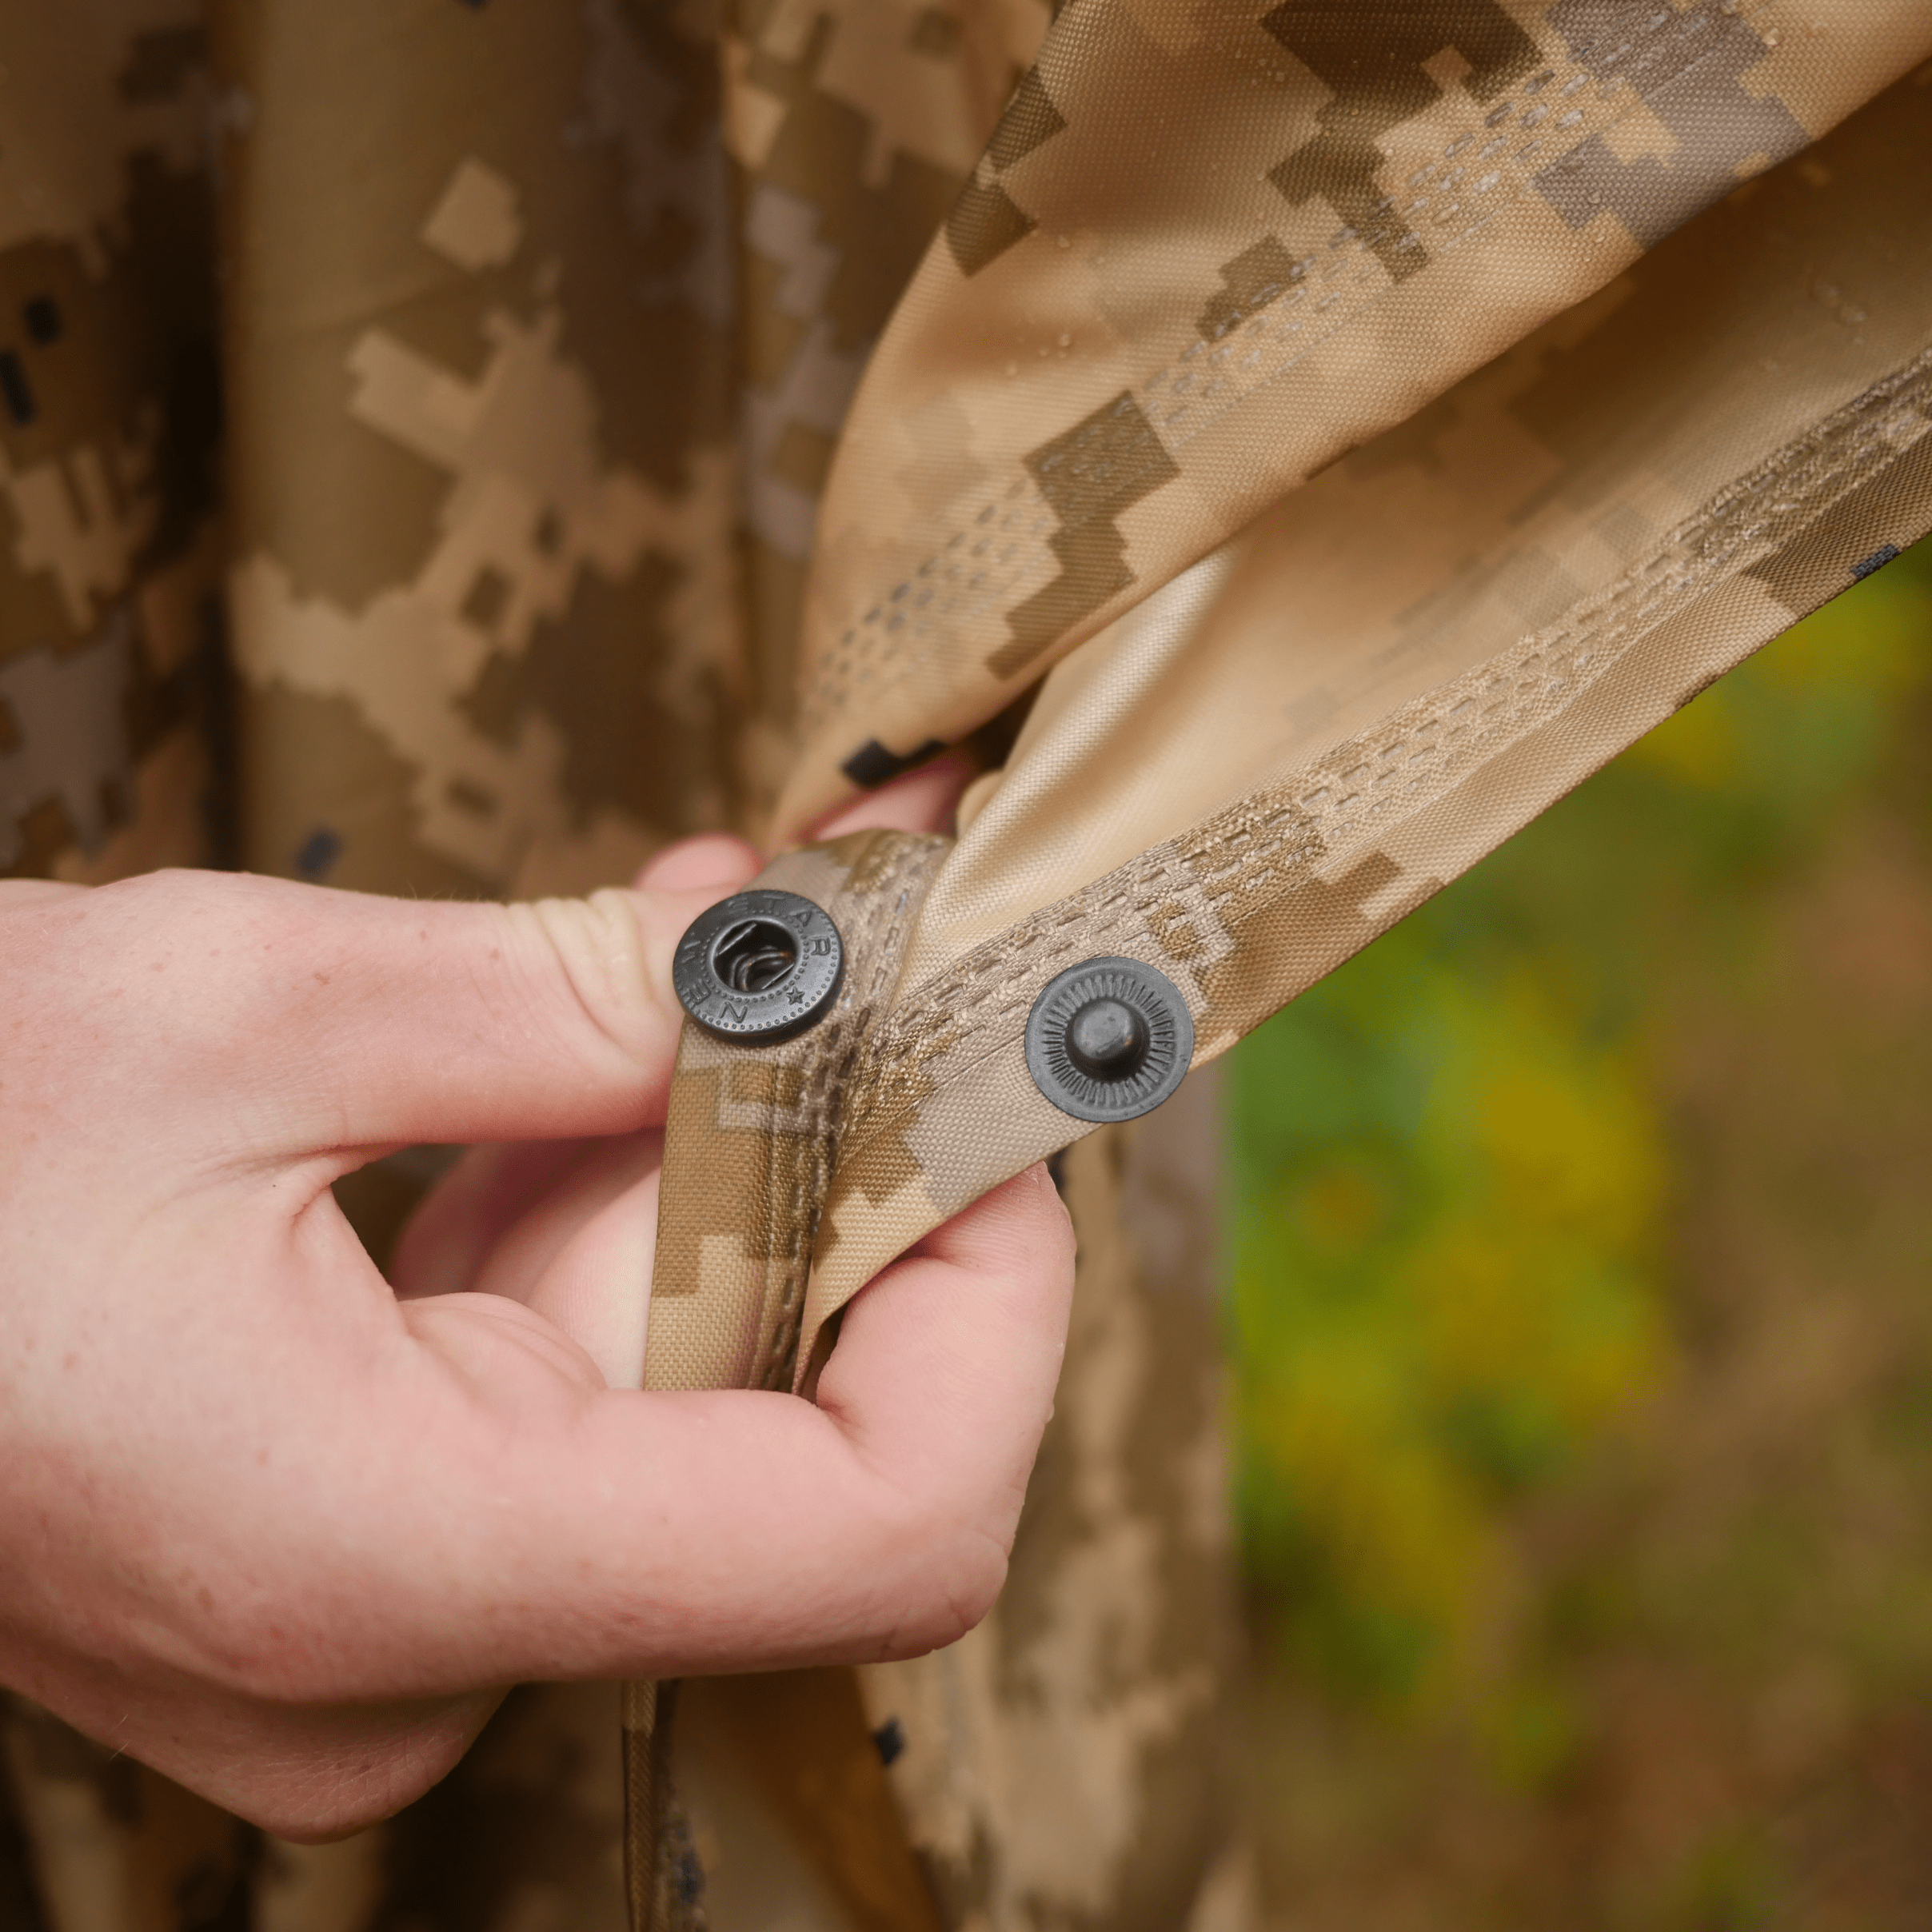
(732, 974)
(1151, 1058)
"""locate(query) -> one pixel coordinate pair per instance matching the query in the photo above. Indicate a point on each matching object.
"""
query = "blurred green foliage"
(1452, 1182)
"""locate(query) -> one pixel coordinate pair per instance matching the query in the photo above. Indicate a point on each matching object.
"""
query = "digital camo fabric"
(537, 328)
(108, 632)
(750, 1142)
(1346, 427)
(1063, 1764)
(533, 379)
(1348, 565)
(1066, 1763)
(755, 1132)
(1214, 246)
(1314, 716)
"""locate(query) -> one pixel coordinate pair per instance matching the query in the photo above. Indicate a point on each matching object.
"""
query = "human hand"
(561, 1225)
(279, 1533)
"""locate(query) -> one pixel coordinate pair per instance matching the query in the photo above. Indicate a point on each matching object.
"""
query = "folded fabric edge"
(1250, 906)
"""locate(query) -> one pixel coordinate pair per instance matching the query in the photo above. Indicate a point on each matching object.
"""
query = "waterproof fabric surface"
(1293, 442)
(1365, 498)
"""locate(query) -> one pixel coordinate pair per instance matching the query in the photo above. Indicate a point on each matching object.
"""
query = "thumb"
(316, 1019)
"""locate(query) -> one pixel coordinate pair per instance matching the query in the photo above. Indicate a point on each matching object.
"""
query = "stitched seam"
(802, 1148)
(875, 941)
(824, 701)
(1770, 504)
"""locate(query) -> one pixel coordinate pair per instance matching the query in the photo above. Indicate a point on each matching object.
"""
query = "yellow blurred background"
(1580, 1237)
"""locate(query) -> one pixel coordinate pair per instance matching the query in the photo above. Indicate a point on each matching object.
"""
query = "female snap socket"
(1109, 1040)
(759, 967)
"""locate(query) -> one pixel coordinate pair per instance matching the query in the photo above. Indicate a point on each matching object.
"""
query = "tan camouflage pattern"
(753, 1136)
(1344, 427)
(802, 1741)
(750, 1143)
(1120, 352)
(466, 537)
(405, 380)
(1299, 738)
(664, 1884)
(1062, 1765)
(529, 425)
(109, 635)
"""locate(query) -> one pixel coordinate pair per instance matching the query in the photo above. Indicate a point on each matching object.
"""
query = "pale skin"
(284, 1530)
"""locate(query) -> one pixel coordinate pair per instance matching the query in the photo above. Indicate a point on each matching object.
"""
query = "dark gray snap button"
(1109, 1040)
(759, 966)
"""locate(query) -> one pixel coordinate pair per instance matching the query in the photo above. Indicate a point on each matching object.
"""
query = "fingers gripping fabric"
(753, 1131)
(750, 1147)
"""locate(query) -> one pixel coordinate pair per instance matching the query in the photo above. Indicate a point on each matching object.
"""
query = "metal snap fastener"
(759, 967)
(1109, 1040)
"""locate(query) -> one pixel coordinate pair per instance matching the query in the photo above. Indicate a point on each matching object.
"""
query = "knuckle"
(950, 1563)
(969, 1583)
(952, 1596)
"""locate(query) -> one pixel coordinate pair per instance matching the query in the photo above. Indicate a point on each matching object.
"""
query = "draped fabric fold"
(1244, 241)
(1284, 748)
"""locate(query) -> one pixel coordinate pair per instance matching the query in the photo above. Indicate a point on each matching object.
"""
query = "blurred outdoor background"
(1580, 1236)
